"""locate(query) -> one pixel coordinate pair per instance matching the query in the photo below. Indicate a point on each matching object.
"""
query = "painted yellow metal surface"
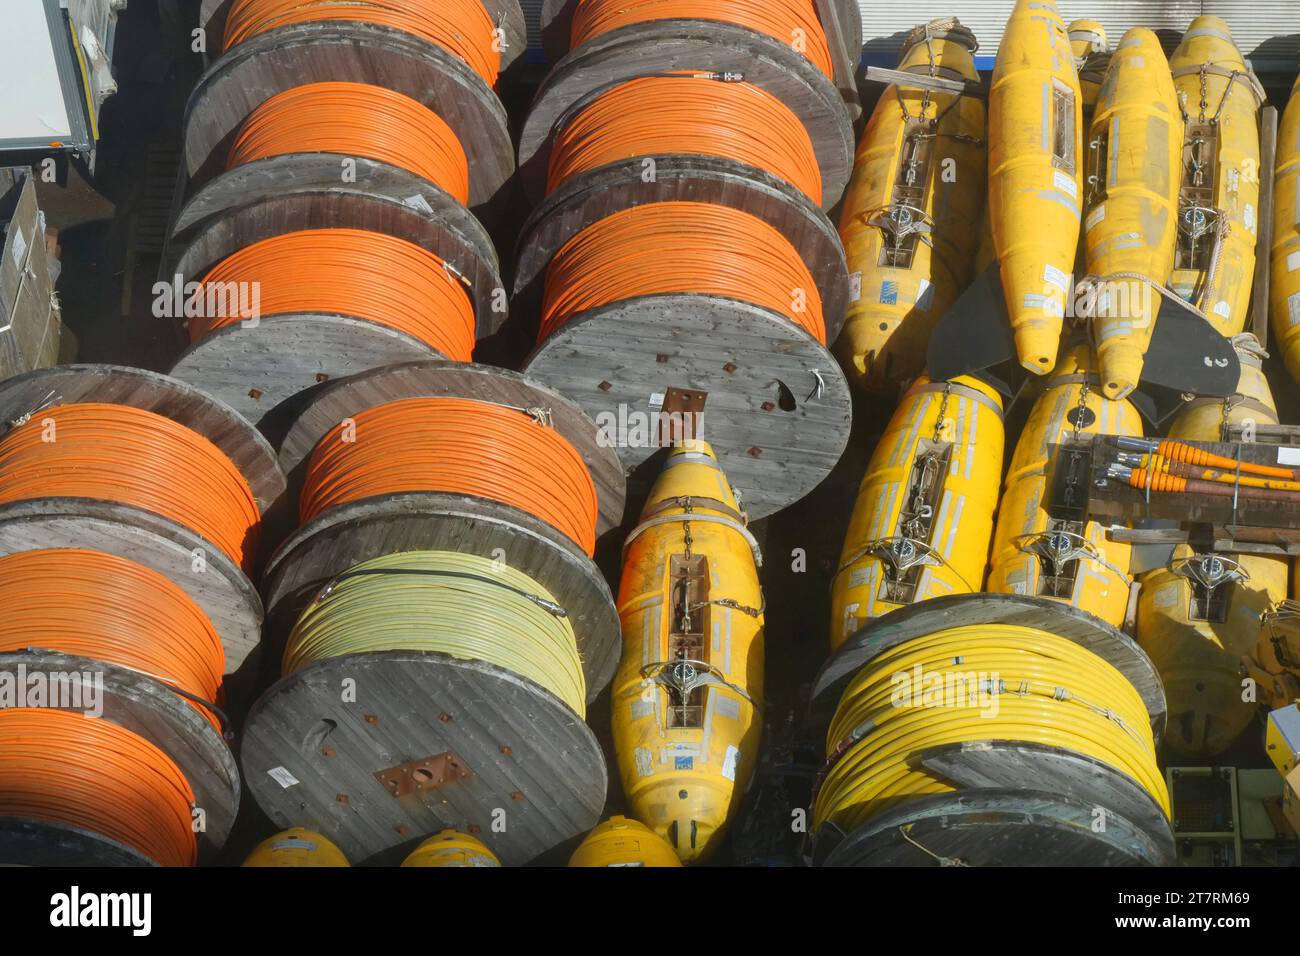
(1090, 572)
(623, 842)
(1285, 281)
(923, 517)
(911, 213)
(296, 847)
(1219, 204)
(1091, 48)
(686, 731)
(1200, 661)
(1131, 226)
(451, 848)
(1036, 176)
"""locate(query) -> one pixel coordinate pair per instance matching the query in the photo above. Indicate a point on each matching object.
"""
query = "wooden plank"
(1264, 225)
(31, 327)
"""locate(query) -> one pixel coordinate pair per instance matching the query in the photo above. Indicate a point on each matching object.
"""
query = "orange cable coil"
(792, 22)
(460, 446)
(134, 457)
(461, 27)
(681, 247)
(356, 119)
(692, 115)
(64, 767)
(101, 606)
(367, 275)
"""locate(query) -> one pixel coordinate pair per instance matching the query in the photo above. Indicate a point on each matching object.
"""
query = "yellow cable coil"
(458, 604)
(1049, 691)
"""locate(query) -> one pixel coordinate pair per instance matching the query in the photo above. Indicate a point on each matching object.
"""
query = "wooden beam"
(1264, 223)
(877, 74)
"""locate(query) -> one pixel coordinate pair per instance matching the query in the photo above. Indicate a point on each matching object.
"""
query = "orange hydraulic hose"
(1191, 455)
(134, 457)
(367, 275)
(681, 247)
(792, 22)
(356, 119)
(63, 767)
(1166, 483)
(96, 605)
(696, 114)
(455, 445)
(461, 27)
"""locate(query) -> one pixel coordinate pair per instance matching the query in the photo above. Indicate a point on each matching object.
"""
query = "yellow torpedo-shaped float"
(1035, 176)
(685, 717)
(452, 848)
(1131, 226)
(911, 217)
(1285, 282)
(296, 847)
(1063, 557)
(1219, 202)
(1200, 616)
(623, 842)
(923, 517)
(1091, 50)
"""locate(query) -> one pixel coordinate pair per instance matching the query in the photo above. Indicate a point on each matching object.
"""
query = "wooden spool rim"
(134, 701)
(507, 14)
(1003, 817)
(585, 199)
(301, 191)
(295, 369)
(698, 334)
(556, 27)
(429, 378)
(961, 610)
(529, 544)
(649, 49)
(28, 842)
(547, 756)
(431, 76)
(154, 392)
(222, 591)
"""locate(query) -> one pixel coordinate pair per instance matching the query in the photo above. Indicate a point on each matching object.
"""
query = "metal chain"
(943, 414)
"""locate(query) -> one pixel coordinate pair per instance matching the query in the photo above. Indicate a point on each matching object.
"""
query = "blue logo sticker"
(684, 763)
(889, 293)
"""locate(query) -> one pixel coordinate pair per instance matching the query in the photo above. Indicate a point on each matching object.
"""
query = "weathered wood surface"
(675, 45)
(26, 842)
(753, 363)
(31, 325)
(528, 755)
(345, 536)
(592, 196)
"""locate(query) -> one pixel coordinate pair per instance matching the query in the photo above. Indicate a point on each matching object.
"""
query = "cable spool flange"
(841, 19)
(675, 45)
(506, 14)
(346, 535)
(287, 57)
(585, 199)
(155, 713)
(753, 363)
(260, 371)
(216, 584)
(313, 760)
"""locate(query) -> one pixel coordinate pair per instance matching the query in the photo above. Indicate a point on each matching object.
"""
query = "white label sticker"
(925, 295)
(283, 777)
(419, 202)
(1055, 277)
(1293, 262)
(729, 762)
(644, 762)
(1288, 456)
(855, 287)
(1223, 309)
(1293, 307)
(850, 620)
(1250, 218)
(657, 400)
(727, 707)
(19, 247)
(1096, 216)
(1065, 184)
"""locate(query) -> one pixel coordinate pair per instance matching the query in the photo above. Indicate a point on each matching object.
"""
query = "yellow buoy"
(686, 729)
(1200, 616)
(1035, 176)
(911, 213)
(1285, 282)
(623, 842)
(1091, 50)
(1275, 665)
(924, 513)
(1219, 203)
(296, 847)
(451, 848)
(1061, 558)
(1131, 227)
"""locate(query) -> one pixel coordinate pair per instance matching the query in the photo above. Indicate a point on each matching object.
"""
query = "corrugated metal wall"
(1266, 30)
